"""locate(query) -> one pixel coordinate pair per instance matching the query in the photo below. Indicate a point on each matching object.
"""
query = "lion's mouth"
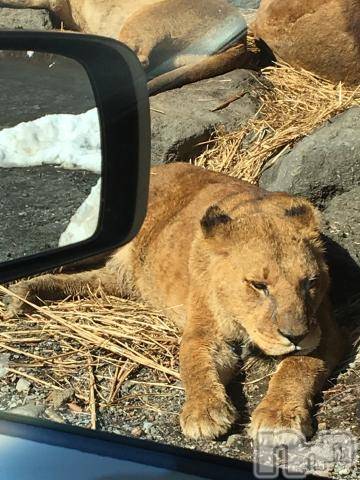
(279, 346)
(310, 342)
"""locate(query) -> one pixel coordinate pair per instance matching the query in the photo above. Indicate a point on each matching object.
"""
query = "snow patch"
(70, 141)
(83, 223)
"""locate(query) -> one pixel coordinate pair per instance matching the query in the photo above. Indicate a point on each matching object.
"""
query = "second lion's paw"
(278, 423)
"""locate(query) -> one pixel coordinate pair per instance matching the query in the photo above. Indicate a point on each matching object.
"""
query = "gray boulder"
(342, 222)
(25, 19)
(184, 118)
(341, 227)
(322, 165)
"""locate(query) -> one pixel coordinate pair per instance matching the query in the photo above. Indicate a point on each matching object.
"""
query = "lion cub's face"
(268, 275)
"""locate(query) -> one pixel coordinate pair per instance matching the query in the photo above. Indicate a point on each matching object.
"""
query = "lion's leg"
(141, 46)
(114, 278)
(53, 287)
(283, 416)
(217, 64)
(205, 361)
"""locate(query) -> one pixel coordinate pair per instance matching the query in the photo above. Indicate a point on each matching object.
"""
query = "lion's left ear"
(306, 216)
(214, 220)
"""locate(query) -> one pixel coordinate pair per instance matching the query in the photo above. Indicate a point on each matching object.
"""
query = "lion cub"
(228, 262)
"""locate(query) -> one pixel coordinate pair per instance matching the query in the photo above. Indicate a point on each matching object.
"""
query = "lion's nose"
(295, 339)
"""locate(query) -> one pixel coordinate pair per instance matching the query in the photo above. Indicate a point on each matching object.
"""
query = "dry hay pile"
(293, 104)
(98, 343)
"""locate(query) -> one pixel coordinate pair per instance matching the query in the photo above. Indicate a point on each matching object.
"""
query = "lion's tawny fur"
(227, 262)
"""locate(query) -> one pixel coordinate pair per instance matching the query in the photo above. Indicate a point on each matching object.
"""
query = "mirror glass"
(50, 154)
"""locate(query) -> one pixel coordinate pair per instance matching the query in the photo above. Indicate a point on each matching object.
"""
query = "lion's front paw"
(208, 418)
(14, 305)
(144, 60)
(275, 422)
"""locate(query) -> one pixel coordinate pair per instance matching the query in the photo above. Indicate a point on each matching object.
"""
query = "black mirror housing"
(120, 91)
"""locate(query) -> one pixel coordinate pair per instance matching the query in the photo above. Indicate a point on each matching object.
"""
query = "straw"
(293, 104)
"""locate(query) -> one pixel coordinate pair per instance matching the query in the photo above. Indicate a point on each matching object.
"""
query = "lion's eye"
(262, 287)
(309, 283)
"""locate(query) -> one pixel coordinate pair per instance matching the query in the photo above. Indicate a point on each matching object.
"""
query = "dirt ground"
(41, 85)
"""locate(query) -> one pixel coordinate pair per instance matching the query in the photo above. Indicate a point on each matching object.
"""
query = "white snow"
(84, 221)
(69, 141)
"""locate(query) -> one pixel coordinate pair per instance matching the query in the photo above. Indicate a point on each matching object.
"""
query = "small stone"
(4, 364)
(58, 397)
(54, 416)
(322, 473)
(29, 410)
(146, 426)
(233, 439)
(322, 426)
(136, 432)
(74, 407)
(344, 471)
(23, 385)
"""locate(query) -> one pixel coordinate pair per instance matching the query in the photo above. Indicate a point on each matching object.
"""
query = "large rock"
(25, 19)
(342, 222)
(184, 118)
(320, 36)
(322, 165)
(341, 225)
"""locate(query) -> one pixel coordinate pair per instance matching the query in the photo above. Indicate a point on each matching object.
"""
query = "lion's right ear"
(213, 220)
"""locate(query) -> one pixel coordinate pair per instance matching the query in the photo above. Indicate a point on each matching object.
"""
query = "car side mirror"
(74, 149)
